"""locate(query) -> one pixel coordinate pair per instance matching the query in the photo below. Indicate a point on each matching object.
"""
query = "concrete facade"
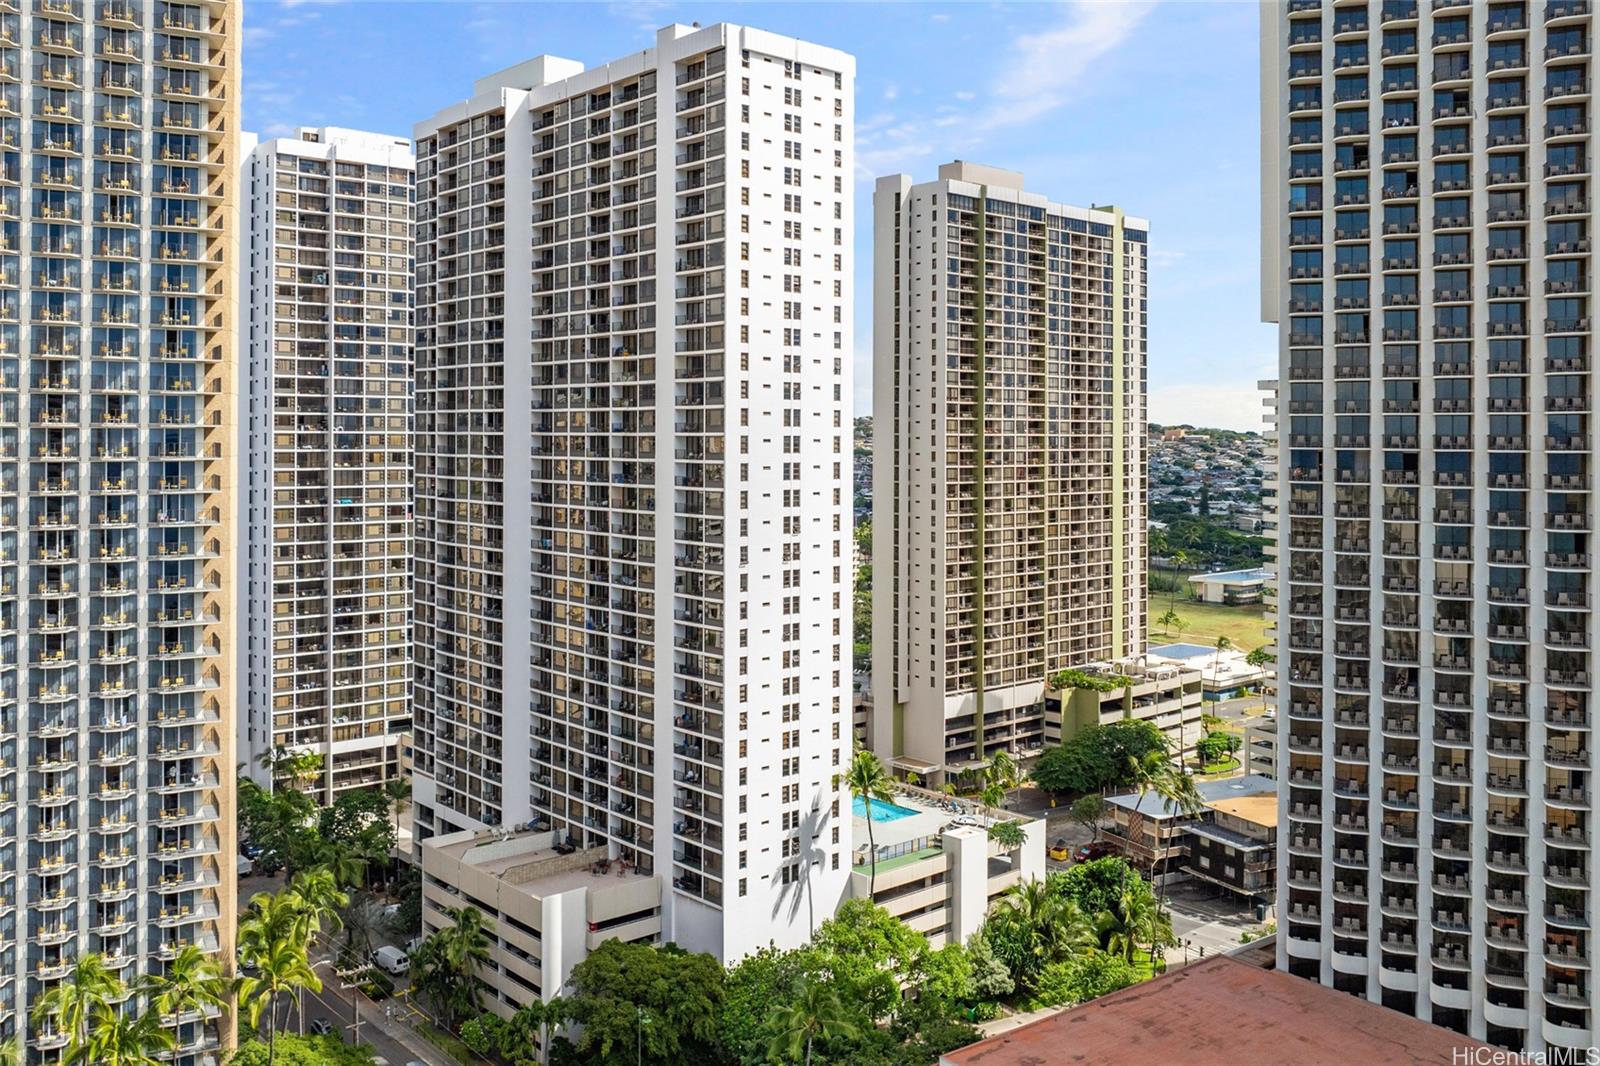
(326, 575)
(1427, 257)
(634, 470)
(1008, 456)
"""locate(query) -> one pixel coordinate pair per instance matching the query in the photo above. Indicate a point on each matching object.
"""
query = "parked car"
(321, 1026)
(1097, 849)
(1059, 851)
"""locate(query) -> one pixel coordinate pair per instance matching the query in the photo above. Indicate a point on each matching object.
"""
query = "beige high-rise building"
(1009, 459)
(118, 139)
(1427, 205)
(326, 577)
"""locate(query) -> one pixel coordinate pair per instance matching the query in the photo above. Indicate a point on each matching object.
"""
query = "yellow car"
(1059, 851)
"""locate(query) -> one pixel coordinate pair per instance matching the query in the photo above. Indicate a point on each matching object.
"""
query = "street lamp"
(644, 1020)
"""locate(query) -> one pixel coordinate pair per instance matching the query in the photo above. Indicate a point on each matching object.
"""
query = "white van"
(392, 959)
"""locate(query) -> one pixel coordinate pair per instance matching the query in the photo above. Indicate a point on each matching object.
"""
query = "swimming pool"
(881, 811)
(1183, 651)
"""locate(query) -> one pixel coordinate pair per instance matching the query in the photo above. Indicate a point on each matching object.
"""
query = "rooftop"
(1225, 790)
(1261, 809)
(1271, 1017)
(527, 861)
(1234, 577)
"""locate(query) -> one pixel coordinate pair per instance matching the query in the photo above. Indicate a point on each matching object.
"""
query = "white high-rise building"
(633, 474)
(1009, 460)
(326, 574)
(118, 139)
(1427, 199)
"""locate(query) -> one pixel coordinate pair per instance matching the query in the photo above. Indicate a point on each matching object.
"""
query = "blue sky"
(1153, 106)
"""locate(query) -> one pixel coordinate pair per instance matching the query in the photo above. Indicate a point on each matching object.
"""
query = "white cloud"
(1034, 76)
(1165, 257)
(891, 91)
(1043, 66)
(1223, 405)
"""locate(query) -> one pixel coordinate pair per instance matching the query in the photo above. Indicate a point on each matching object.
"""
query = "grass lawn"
(1246, 627)
(1226, 766)
(446, 1043)
(1142, 966)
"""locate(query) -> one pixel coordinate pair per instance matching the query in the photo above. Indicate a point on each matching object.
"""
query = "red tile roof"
(1220, 1012)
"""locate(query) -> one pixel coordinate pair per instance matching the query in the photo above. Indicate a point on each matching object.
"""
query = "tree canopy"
(664, 1000)
(1097, 757)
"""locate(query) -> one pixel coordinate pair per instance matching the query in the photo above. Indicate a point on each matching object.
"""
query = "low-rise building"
(1235, 846)
(938, 871)
(545, 905)
(1229, 587)
(1166, 693)
(1224, 673)
(1152, 830)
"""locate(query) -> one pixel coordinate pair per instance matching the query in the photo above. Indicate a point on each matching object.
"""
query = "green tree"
(79, 1003)
(445, 966)
(303, 1051)
(991, 980)
(1081, 978)
(635, 1001)
(813, 1012)
(125, 1038)
(192, 983)
(1260, 658)
(871, 954)
(318, 899)
(282, 969)
(397, 790)
(1087, 811)
(1008, 834)
(867, 780)
(1168, 621)
(1031, 927)
(1097, 756)
(762, 978)
(1097, 885)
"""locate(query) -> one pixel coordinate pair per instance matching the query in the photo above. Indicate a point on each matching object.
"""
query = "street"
(335, 1007)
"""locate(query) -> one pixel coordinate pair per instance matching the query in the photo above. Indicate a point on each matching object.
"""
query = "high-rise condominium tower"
(118, 131)
(1426, 254)
(326, 577)
(633, 470)
(1008, 452)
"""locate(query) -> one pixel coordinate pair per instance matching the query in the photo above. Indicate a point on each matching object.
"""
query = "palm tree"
(282, 967)
(343, 862)
(192, 984)
(317, 895)
(127, 1039)
(814, 1011)
(398, 792)
(83, 996)
(447, 963)
(1168, 621)
(1054, 926)
(1002, 771)
(11, 1052)
(1261, 658)
(867, 780)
